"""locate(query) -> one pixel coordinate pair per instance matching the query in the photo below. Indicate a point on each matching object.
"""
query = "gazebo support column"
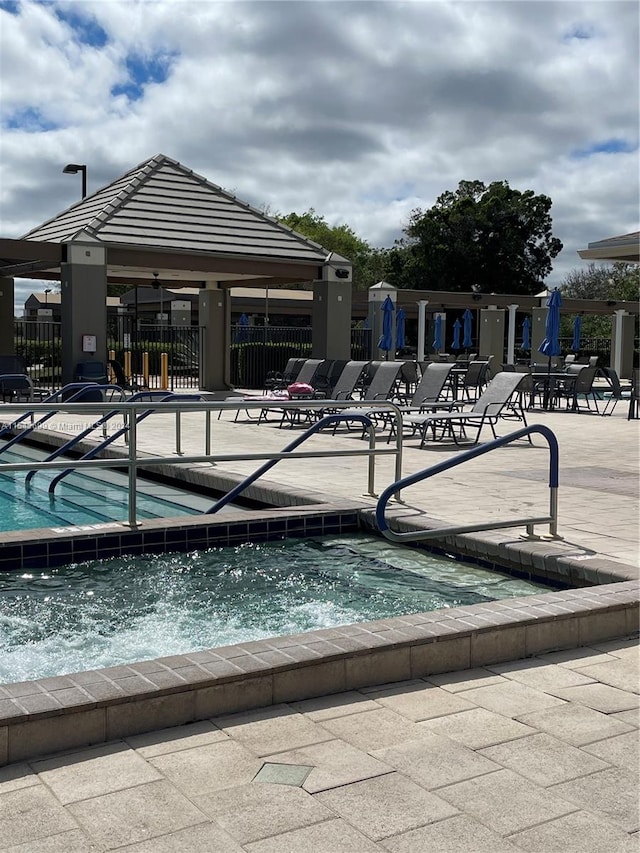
(83, 280)
(214, 317)
(7, 332)
(622, 344)
(331, 313)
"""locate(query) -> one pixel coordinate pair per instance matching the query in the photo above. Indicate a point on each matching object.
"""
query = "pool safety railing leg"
(132, 472)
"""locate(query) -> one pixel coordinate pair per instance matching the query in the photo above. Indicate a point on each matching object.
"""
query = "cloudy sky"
(362, 110)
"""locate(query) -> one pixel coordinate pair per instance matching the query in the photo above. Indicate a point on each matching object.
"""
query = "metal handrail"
(132, 461)
(412, 479)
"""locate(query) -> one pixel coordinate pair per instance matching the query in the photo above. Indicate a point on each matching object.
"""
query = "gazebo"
(162, 220)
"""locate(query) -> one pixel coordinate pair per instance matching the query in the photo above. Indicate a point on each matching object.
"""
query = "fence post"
(127, 364)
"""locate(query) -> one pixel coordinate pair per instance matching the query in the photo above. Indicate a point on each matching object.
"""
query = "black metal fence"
(137, 347)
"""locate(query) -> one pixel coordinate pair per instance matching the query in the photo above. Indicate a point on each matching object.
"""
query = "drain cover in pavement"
(283, 774)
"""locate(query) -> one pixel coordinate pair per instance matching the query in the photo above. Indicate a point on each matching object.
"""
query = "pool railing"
(130, 412)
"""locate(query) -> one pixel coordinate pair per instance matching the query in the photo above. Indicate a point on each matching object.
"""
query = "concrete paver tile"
(511, 698)
(435, 761)
(454, 835)
(29, 814)
(623, 751)
(543, 759)
(374, 729)
(331, 836)
(386, 805)
(202, 838)
(544, 677)
(623, 673)
(16, 776)
(478, 728)
(575, 833)
(613, 793)
(576, 658)
(620, 648)
(631, 718)
(92, 772)
(73, 841)
(335, 763)
(336, 705)
(421, 702)
(466, 679)
(162, 741)
(273, 729)
(600, 697)
(506, 802)
(208, 768)
(576, 724)
(251, 812)
(135, 814)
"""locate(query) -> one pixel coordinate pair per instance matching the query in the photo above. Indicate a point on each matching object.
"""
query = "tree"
(490, 239)
(340, 239)
(620, 282)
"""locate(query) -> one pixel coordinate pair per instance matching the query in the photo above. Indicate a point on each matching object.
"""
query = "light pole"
(73, 169)
(46, 296)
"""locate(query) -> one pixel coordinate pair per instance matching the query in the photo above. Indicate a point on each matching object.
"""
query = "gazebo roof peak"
(161, 204)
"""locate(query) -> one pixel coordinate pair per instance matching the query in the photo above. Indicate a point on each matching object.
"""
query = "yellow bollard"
(145, 369)
(164, 371)
(127, 364)
(112, 357)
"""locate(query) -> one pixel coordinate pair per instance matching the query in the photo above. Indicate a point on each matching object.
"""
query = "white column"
(422, 327)
(617, 351)
(511, 335)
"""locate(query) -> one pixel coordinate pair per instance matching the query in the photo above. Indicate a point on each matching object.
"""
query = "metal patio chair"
(494, 403)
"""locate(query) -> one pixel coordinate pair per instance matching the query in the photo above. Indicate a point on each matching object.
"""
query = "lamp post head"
(73, 169)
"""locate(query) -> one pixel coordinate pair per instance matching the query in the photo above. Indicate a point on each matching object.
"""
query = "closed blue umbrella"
(457, 326)
(400, 331)
(577, 331)
(437, 335)
(242, 330)
(550, 346)
(386, 341)
(467, 317)
(526, 333)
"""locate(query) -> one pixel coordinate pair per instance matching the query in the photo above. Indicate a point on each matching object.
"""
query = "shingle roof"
(160, 204)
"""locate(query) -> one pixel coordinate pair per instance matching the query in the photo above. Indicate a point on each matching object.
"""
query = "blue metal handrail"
(142, 396)
(77, 391)
(412, 479)
(314, 428)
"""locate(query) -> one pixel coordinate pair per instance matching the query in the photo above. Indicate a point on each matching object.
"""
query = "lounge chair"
(277, 380)
(382, 387)
(16, 387)
(428, 396)
(348, 380)
(495, 402)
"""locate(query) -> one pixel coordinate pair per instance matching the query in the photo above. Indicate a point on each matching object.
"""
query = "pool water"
(83, 498)
(125, 609)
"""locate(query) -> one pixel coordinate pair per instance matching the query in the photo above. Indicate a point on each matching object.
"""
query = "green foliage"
(620, 281)
(491, 239)
(340, 239)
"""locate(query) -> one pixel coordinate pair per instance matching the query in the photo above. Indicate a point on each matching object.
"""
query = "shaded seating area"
(497, 401)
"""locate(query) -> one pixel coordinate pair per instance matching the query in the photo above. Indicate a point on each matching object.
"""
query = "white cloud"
(363, 111)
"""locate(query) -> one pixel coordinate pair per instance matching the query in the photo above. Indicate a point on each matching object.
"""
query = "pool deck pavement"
(538, 754)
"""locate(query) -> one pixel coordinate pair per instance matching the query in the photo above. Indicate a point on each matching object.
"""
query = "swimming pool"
(107, 612)
(83, 498)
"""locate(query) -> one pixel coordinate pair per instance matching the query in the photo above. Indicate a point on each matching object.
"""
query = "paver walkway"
(536, 755)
